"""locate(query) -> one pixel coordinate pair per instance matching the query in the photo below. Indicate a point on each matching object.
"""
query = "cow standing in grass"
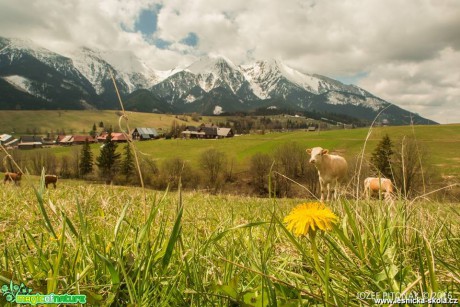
(378, 185)
(50, 179)
(13, 177)
(331, 169)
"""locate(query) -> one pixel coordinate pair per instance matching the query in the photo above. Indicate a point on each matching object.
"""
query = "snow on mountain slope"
(266, 76)
(18, 48)
(217, 71)
(97, 67)
(337, 98)
(307, 82)
(211, 84)
(90, 65)
(23, 84)
(132, 69)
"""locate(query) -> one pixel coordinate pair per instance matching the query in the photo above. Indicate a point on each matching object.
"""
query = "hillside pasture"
(442, 144)
(77, 122)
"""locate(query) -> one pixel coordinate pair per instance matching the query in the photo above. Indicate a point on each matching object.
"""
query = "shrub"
(259, 168)
(174, 170)
(213, 163)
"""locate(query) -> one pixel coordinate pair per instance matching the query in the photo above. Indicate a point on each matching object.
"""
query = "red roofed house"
(80, 139)
(116, 137)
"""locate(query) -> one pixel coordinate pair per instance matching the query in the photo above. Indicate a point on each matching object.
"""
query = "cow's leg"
(54, 184)
(322, 186)
(334, 187)
(328, 192)
(367, 193)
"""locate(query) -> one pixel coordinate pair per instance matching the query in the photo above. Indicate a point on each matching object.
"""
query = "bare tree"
(213, 163)
(260, 168)
(410, 167)
(175, 169)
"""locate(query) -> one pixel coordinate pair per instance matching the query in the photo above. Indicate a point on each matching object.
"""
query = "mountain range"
(33, 77)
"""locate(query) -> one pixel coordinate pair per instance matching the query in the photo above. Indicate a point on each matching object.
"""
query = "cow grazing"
(13, 177)
(379, 185)
(50, 179)
(331, 169)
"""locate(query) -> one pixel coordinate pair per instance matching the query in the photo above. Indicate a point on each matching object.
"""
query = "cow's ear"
(308, 151)
(325, 151)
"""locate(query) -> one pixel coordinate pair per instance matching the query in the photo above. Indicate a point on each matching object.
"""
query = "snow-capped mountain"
(42, 78)
(33, 77)
(201, 78)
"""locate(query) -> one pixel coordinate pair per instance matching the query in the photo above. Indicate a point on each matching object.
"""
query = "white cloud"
(407, 51)
(430, 88)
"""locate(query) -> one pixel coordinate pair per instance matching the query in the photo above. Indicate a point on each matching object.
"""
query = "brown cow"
(50, 179)
(331, 169)
(13, 177)
(378, 185)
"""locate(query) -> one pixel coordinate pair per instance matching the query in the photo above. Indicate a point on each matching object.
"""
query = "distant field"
(22, 122)
(72, 121)
(442, 142)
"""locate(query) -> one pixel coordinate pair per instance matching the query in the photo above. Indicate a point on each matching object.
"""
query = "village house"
(225, 132)
(5, 138)
(192, 132)
(8, 141)
(116, 137)
(143, 134)
(207, 132)
(30, 142)
(81, 139)
(65, 140)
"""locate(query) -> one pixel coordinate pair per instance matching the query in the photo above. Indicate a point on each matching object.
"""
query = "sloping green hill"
(72, 122)
(441, 142)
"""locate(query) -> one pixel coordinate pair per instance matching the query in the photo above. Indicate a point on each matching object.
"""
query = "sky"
(406, 52)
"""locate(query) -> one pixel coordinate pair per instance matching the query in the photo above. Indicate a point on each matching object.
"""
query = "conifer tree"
(381, 157)
(127, 167)
(86, 160)
(93, 131)
(108, 159)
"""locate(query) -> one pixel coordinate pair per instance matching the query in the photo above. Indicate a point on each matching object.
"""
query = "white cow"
(331, 169)
(373, 184)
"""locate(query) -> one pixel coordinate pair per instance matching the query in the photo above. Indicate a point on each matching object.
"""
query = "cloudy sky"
(406, 52)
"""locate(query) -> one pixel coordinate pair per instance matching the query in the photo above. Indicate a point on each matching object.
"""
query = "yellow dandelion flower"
(309, 217)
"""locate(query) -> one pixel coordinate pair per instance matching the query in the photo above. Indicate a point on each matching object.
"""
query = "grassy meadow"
(442, 144)
(124, 246)
(76, 122)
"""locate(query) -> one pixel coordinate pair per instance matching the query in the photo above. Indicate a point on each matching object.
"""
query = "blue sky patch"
(160, 43)
(191, 39)
(147, 21)
(352, 79)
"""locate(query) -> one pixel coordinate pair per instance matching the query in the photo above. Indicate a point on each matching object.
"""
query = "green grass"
(195, 249)
(441, 142)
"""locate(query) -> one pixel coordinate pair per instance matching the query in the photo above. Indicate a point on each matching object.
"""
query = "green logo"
(21, 294)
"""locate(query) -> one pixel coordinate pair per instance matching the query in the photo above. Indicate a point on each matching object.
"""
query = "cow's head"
(316, 154)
